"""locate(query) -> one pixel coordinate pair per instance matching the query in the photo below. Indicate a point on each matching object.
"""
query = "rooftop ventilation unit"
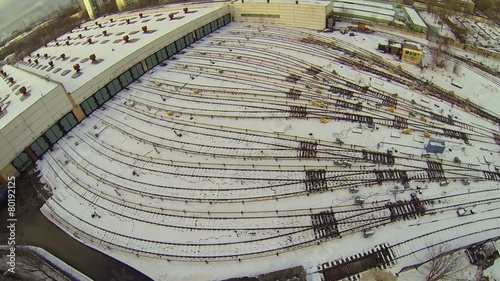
(51, 63)
(126, 38)
(111, 20)
(145, 29)
(128, 21)
(89, 41)
(45, 55)
(171, 16)
(36, 61)
(11, 80)
(92, 58)
(185, 9)
(80, 36)
(23, 90)
(140, 15)
(105, 33)
(76, 67)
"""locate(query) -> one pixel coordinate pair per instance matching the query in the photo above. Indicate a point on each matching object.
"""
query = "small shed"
(435, 146)
(412, 52)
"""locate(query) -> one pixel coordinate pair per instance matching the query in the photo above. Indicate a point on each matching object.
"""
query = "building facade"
(126, 4)
(93, 7)
(412, 53)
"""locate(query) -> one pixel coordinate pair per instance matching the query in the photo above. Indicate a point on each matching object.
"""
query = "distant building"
(412, 52)
(93, 7)
(414, 20)
(126, 4)
(81, 4)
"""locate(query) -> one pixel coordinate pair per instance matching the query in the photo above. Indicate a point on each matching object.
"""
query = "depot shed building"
(76, 74)
(72, 76)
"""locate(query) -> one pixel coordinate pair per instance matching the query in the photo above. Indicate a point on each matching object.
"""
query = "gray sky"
(13, 12)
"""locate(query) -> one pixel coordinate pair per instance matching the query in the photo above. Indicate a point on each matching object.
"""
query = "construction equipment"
(363, 27)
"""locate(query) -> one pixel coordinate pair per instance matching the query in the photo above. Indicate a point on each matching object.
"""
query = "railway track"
(183, 178)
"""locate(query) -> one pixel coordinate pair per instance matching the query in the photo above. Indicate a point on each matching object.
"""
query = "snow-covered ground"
(476, 86)
(433, 20)
(219, 164)
(480, 34)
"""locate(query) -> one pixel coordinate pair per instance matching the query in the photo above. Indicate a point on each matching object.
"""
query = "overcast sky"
(13, 12)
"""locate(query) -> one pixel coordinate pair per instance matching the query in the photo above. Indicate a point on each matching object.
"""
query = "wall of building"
(329, 7)
(411, 56)
(126, 4)
(42, 139)
(27, 126)
(302, 15)
(92, 8)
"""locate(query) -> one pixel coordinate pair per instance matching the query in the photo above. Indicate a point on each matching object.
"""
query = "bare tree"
(438, 53)
(31, 266)
(442, 265)
(457, 69)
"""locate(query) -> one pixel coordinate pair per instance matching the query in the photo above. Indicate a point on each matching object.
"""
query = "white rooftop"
(10, 98)
(367, 3)
(309, 2)
(412, 44)
(365, 8)
(414, 16)
(110, 48)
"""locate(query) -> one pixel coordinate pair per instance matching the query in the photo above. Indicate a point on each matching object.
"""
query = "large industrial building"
(30, 128)
(220, 140)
